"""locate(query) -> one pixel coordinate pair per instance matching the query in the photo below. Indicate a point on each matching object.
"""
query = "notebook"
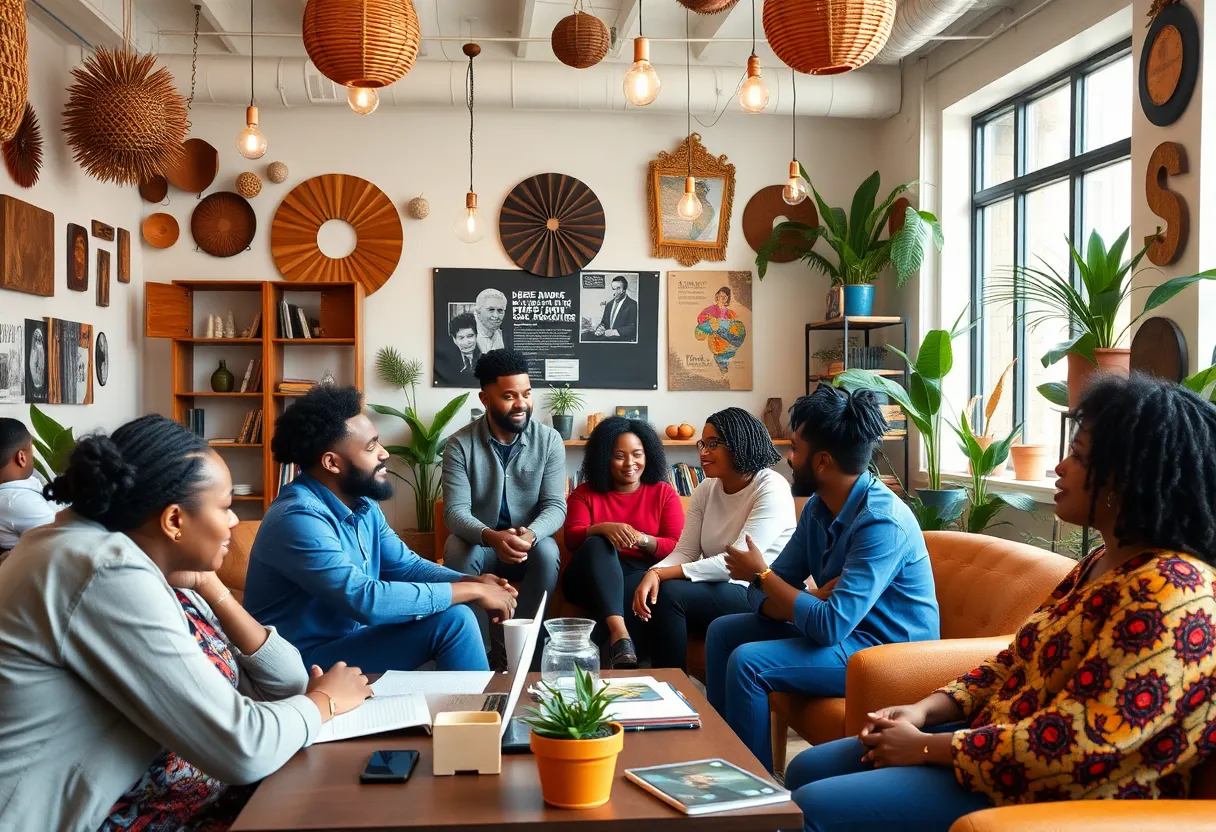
(704, 786)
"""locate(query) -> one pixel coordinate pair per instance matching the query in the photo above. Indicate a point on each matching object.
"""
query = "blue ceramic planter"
(859, 300)
(948, 500)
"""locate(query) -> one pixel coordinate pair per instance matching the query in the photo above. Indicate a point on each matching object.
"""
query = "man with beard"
(330, 574)
(504, 490)
(856, 541)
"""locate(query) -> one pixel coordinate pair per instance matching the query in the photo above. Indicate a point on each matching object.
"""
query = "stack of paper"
(643, 702)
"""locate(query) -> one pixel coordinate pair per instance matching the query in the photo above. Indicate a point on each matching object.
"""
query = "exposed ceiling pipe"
(534, 85)
(917, 22)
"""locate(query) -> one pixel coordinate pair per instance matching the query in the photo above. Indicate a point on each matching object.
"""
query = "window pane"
(1108, 104)
(997, 325)
(1046, 249)
(996, 166)
(1047, 129)
(1107, 195)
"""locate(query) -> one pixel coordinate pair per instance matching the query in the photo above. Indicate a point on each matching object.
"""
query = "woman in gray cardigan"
(134, 691)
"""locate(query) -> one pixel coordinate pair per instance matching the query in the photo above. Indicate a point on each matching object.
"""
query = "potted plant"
(935, 506)
(856, 239)
(53, 442)
(1203, 383)
(983, 461)
(1092, 310)
(575, 744)
(832, 359)
(424, 453)
(562, 403)
(986, 438)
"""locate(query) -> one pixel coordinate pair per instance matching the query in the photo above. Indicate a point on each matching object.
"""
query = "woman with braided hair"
(1107, 691)
(135, 692)
(741, 497)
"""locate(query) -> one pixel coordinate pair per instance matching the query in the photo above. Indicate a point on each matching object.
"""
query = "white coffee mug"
(515, 633)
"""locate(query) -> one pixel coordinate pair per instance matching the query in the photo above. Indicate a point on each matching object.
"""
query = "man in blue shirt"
(330, 574)
(860, 545)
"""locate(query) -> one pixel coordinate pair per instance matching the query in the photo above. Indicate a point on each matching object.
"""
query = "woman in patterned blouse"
(1107, 690)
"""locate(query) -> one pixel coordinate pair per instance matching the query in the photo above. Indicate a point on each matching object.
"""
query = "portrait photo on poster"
(456, 355)
(12, 363)
(35, 362)
(608, 307)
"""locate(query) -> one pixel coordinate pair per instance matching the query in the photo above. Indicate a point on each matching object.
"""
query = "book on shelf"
(296, 385)
(242, 436)
(255, 384)
(256, 327)
(248, 375)
(685, 478)
(303, 319)
(194, 421)
(287, 472)
(285, 327)
(256, 435)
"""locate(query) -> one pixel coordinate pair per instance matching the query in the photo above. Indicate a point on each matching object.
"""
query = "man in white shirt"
(490, 309)
(22, 506)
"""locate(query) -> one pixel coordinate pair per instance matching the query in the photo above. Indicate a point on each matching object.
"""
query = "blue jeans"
(450, 638)
(536, 576)
(748, 657)
(837, 792)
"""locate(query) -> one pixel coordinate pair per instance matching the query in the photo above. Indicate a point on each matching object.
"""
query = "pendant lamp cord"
(640, 33)
(688, 91)
(794, 116)
(193, 70)
(753, 28)
(469, 101)
(250, 52)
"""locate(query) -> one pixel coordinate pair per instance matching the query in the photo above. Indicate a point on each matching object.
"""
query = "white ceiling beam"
(708, 26)
(626, 17)
(224, 16)
(79, 19)
(527, 17)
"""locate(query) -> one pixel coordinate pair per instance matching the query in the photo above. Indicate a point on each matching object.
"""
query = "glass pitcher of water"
(569, 646)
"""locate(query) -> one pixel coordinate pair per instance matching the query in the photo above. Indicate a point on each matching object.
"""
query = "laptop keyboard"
(496, 702)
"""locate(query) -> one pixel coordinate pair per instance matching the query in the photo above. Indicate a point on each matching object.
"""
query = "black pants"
(686, 607)
(600, 581)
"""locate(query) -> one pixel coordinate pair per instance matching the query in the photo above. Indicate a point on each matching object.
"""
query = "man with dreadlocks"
(862, 547)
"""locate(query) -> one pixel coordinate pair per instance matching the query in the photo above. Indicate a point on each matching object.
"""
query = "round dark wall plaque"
(1169, 64)
(551, 225)
(1159, 349)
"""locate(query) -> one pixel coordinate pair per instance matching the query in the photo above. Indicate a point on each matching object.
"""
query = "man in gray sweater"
(504, 489)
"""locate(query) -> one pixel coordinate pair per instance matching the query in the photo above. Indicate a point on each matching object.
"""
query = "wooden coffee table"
(319, 788)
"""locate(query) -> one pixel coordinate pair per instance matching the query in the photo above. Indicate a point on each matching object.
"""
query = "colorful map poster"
(709, 338)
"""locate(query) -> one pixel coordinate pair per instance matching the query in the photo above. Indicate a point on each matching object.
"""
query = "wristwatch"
(758, 580)
(645, 541)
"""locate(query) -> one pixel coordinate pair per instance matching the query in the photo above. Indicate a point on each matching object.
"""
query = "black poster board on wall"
(572, 329)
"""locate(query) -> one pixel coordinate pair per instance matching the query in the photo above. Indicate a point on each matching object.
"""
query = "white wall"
(74, 197)
(407, 153)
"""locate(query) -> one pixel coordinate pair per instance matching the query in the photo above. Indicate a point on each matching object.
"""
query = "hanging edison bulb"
(363, 100)
(689, 207)
(469, 226)
(795, 190)
(642, 82)
(250, 141)
(753, 94)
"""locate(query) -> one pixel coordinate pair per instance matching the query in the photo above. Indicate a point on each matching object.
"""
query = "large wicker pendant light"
(753, 94)
(795, 191)
(362, 45)
(124, 119)
(580, 40)
(708, 6)
(827, 37)
(250, 141)
(469, 226)
(14, 67)
(641, 82)
(689, 206)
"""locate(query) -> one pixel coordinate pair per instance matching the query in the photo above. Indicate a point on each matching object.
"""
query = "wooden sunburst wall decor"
(551, 225)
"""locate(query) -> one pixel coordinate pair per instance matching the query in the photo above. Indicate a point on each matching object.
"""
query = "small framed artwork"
(703, 237)
(124, 256)
(639, 412)
(102, 231)
(101, 355)
(103, 278)
(78, 258)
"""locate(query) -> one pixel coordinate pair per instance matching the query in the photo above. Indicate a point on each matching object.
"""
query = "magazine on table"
(642, 701)
(704, 786)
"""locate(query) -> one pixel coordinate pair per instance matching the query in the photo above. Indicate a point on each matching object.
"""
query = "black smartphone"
(389, 767)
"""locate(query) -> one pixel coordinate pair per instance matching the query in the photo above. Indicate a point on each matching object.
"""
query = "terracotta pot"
(577, 774)
(422, 543)
(1030, 462)
(1081, 370)
(984, 442)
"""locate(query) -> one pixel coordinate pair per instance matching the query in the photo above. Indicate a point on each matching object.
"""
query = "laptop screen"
(525, 663)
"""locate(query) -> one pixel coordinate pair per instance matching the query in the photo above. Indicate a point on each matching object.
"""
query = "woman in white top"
(741, 497)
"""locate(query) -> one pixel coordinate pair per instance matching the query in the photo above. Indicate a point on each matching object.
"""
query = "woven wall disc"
(580, 40)
(248, 185)
(223, 224)
(763, 208)
(14, 67)
(838, 36)
(160, 230)
(1159, 349)
(708, 6)
(23, 152)
(337, 196)
(551, 225)
(195, 170)
(154, 189)
(362, 43)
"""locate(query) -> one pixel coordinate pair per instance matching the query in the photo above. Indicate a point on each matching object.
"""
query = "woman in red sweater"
(624, 518)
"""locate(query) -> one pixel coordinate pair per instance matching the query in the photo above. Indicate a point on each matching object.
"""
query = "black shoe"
(622, 656)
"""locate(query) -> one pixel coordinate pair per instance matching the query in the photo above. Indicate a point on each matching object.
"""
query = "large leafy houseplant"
(984, 506)
(856, 238)
(424, 453)
(53, 442)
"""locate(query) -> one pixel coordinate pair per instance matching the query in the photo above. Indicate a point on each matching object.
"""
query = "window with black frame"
(1050, 164)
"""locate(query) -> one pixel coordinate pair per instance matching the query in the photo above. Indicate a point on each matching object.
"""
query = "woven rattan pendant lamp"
(14, 67)
(362, 44)
(827, 37)
(581, 39)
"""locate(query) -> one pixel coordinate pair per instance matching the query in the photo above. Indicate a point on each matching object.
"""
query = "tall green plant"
(856, 238)
(53, 442)
(424, 453)
(983, 506)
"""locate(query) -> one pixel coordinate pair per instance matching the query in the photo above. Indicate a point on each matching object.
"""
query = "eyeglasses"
(711, 444)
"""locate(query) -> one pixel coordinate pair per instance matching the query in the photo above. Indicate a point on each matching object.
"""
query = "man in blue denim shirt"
(864, 551)
(330, 574)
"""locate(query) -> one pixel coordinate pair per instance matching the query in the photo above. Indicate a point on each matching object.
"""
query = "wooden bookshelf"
(177, 312)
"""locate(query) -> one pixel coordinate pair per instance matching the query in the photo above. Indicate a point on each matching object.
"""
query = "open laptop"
(503, 703)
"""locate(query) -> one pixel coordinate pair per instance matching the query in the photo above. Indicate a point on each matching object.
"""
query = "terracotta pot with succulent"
(1091, 309)
(424, 453)
(935, 507)
(575, 744)
(856, 239)
(562, 403)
